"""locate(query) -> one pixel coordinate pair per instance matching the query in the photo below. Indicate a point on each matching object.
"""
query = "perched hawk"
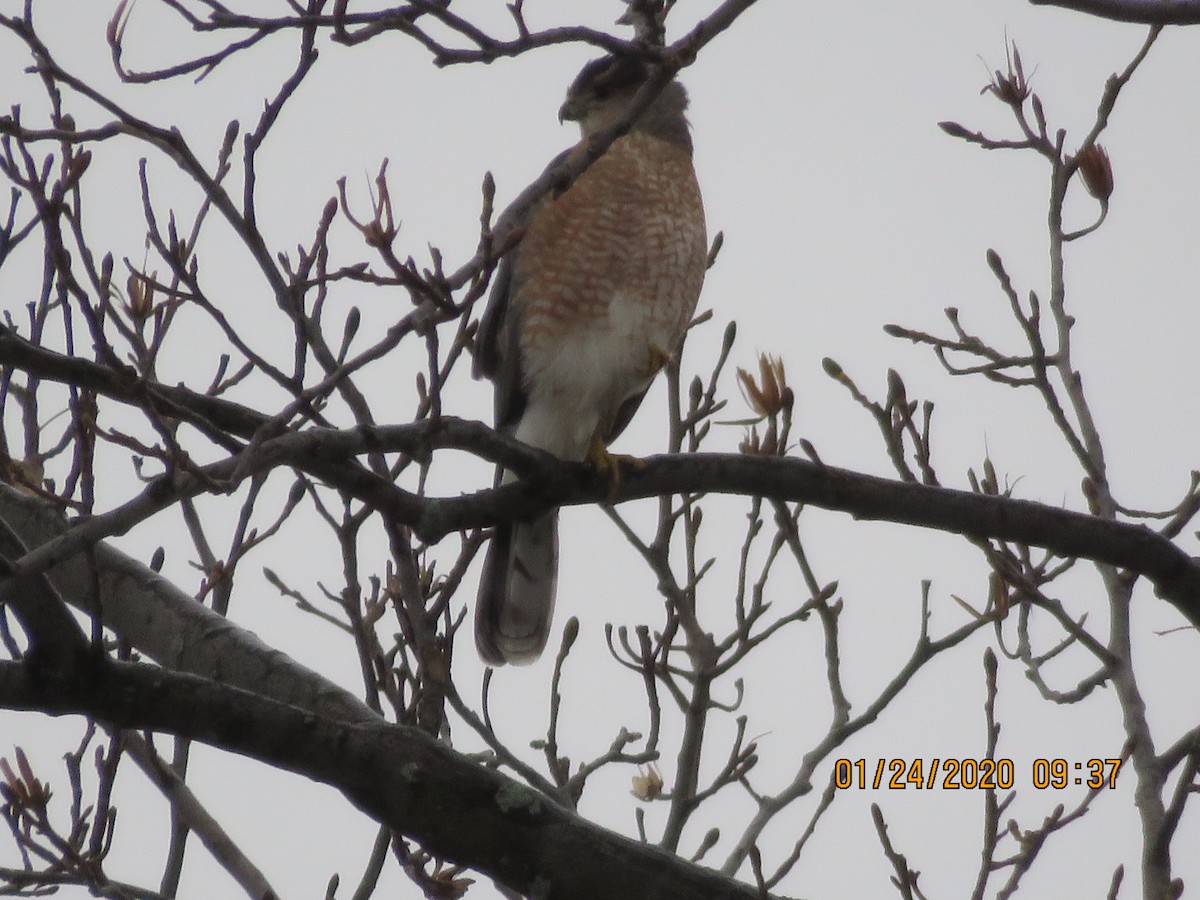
(584, 313)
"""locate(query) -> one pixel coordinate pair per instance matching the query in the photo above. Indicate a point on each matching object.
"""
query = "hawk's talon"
(607, 467)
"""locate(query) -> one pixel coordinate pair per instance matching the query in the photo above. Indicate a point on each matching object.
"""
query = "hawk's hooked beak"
(569, 111)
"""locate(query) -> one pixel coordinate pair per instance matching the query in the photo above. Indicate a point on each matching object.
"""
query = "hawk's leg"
(608, 466)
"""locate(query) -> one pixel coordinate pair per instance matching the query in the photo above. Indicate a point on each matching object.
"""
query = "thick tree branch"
(550, 482)
(162, 622)
(399, 776)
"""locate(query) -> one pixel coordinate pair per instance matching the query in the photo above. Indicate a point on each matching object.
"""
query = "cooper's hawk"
(584, 313)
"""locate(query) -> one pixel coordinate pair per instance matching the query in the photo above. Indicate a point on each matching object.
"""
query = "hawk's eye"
(605, 79)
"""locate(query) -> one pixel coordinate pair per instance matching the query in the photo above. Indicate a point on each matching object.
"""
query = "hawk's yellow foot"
(608, 466)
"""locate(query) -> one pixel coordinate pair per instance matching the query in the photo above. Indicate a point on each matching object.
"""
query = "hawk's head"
(600, 95)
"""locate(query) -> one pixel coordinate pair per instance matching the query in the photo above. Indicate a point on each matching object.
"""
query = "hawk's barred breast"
(609, 275)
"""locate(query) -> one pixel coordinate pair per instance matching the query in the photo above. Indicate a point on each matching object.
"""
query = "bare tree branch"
(1147, 12)
(397, 775)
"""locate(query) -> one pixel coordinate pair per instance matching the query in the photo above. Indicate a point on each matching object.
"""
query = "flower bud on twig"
(1096, 169)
